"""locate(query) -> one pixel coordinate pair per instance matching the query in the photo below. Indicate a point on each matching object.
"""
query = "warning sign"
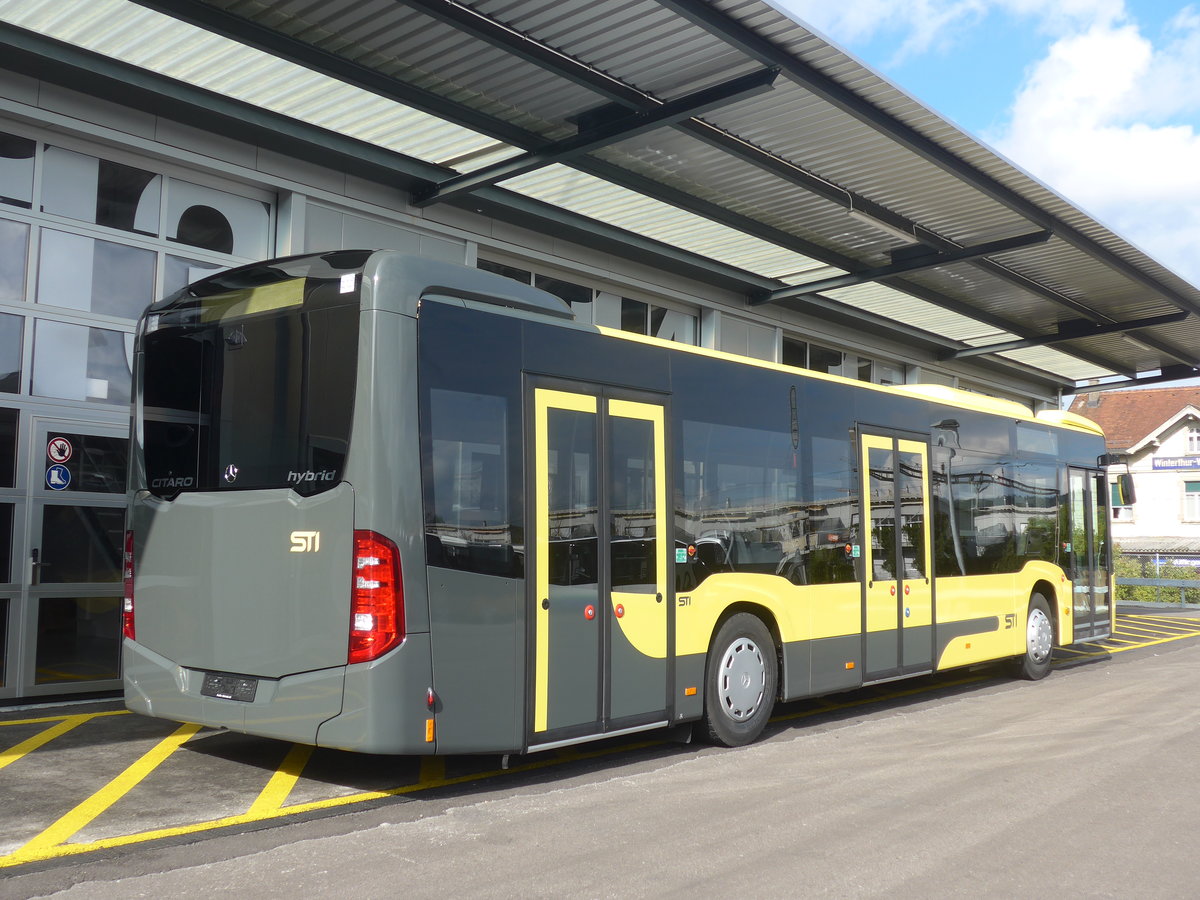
(59, 450)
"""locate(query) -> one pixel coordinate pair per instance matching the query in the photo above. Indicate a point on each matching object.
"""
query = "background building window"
(1193, 439)
(80, 272)
(74, 362)
(16, 170)
(14, 247)
(1191, 501)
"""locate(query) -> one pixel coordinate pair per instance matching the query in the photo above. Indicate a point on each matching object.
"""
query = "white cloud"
(1109, 116)
(1102, 119)
(922, 26)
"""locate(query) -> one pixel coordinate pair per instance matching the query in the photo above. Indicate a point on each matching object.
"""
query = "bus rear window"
(250, 389)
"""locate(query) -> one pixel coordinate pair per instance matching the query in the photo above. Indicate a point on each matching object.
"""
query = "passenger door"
(897, 587)
(600, 540)
(1087, 555)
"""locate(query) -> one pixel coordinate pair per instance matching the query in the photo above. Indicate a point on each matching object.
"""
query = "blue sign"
(1177, 463)
(58, 478)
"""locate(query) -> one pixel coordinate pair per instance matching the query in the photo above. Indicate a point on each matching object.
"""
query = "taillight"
(127, 627)
(377, 601)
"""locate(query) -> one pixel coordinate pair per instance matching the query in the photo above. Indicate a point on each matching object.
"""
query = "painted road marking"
(44, 845)
(271, 802)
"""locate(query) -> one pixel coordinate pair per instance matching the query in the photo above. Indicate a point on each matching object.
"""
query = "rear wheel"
(743, 673)
(1039, 640)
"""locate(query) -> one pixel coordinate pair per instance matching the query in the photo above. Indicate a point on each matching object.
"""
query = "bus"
(387, 504)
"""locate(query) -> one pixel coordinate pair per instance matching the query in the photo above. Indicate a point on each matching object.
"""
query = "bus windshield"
(248, 381)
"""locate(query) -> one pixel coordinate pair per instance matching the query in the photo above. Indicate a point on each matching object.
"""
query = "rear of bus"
(274, 509)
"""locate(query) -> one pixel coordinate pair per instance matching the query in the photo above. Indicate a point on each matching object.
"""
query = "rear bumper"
(290, 709)
(377, 707)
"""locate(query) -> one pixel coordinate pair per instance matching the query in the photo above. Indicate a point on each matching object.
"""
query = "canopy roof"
(721, 139)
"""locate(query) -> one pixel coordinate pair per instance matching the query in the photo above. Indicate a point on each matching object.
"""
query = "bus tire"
(741, 681)
(1039, 640)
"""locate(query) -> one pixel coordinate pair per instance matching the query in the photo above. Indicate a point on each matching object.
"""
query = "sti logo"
(306, 541)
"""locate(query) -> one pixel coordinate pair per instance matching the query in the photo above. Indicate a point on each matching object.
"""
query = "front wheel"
(1039, 640)
(743, 674)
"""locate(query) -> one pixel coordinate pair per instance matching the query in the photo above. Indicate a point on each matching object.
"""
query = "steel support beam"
(244, 31)
(613, 132)
(725, 27)
(931, 260)
(1167, 373)
(1068, 334)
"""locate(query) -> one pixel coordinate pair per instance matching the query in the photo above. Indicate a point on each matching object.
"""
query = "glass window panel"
(823, 359)
(865, 369)
(16, 170)
(96, 190)
(521, 275)
(795, 353)
(179, 273)
(573, 500)
(633, 315)
(78, 639)
(673, 325)
(886, 373)
(96, 463)
(1191, 501)
(11, 330)
(1193, 439)
(632, 505)
(6, 536)
(218, 221)
(79, 272)
(4, 605)
(81, 544)
(14, 247)
(467, 523)
(9, 419)
(74, 362)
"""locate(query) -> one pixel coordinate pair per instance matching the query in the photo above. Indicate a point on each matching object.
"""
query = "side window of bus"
(755, 502)
(1003, 513)
(468, 525)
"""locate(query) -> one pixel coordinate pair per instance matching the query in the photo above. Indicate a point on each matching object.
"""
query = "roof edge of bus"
(465, 283)
(959, 397)
(734, 357)
(1070, 420)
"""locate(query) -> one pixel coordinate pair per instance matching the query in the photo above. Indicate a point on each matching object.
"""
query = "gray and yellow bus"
(387, 504)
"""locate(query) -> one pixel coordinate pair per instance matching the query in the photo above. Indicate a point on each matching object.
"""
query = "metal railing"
(1173, 591)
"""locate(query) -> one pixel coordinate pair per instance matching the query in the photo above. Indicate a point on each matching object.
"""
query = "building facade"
(1156, 433)
(824, 220)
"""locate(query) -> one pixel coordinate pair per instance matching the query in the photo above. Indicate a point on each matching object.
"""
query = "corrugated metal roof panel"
(523, 71)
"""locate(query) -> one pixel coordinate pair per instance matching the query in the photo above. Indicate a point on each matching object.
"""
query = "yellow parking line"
(12, 754)
(1176, 625)
(282, 782)
(47, 844)
(42, 719)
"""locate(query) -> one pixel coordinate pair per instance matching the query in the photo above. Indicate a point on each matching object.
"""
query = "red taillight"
(377, 600)
(127, 627)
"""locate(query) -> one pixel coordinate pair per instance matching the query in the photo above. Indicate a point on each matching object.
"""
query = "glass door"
(1087, 555)
(898, 590)
(71, 629)
(599, 604)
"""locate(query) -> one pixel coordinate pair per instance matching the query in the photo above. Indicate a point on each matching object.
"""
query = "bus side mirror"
(1125, 492)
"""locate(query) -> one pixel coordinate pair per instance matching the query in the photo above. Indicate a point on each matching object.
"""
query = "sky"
(1098, 99)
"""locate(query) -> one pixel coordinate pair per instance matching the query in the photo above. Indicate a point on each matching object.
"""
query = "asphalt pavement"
(1080, 785)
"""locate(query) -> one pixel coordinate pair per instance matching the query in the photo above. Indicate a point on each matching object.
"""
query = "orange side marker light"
(689, 692)
(850, 665)
(429, 731)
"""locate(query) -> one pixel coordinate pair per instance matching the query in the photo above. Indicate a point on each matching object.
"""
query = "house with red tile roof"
(1157, 431)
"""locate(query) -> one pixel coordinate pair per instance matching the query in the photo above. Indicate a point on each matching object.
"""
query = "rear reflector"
(377, 598)
(127, 626)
